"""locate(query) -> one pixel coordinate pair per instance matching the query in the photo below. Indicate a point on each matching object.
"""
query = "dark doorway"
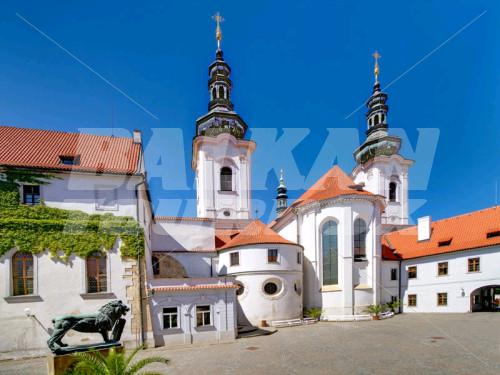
(486, 298)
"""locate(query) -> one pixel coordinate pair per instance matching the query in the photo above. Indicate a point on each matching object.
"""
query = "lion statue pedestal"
(107, 318)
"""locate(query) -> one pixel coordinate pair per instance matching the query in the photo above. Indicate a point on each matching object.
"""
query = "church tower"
(221, 155)
(379, 165)
(282, 197)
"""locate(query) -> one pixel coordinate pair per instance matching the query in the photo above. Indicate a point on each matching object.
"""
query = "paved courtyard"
(407, 344)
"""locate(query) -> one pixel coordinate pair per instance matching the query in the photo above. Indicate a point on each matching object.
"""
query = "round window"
(270, 288)
(227, 213)
(240, 290)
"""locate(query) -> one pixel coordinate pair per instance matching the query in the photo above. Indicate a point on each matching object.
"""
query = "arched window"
(97, 280)
(22, 273)
(376, 120)
(392, 191)
(155, 261)
(329, 245)
(226, 179)
(383, 118)
(221, 92)
(359, 239)
(214, 93)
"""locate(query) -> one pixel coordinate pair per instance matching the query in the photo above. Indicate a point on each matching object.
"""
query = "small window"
(444, 243)
(394, 298)
(22, 274)
(412, 300)
(226, 179)
(234, 258)
(412, 272)
(394, 274)
(299, 258)
(31, 194)
(170, 317)
(493, 234)
(156, 265)
(69, 159)
(443, 269)
(272, 255)
(240, 290)
(474, 265)
(359, 239)
(203, 316)
(271, 288)
(392, 191)
(442, 299)
(96, 273)
(221, 92)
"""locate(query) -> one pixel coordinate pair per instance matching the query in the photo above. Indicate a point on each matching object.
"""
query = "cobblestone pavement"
(406, 344)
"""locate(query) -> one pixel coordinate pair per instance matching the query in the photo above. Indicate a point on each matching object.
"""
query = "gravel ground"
(406, 344)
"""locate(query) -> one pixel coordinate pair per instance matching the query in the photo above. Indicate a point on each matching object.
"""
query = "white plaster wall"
(254, 271)
(341, 298)
(183, 235)
(212, 155)
(389, 287)
(458, 284)
(195, 264)
(377, 174)
(59, 287)
(223, 307)
(77, 191)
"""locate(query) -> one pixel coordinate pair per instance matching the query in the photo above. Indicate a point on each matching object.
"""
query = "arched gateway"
(486, 298)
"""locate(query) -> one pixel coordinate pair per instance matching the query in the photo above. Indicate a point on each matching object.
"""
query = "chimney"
(137, 136)
(424, 228)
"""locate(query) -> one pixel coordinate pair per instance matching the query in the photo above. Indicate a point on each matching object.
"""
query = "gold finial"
(218, 31)
(376, 69)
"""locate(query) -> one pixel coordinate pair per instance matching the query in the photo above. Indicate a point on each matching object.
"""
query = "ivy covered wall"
(61, 232)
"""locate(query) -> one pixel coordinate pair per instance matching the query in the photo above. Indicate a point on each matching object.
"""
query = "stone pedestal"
(58, 364)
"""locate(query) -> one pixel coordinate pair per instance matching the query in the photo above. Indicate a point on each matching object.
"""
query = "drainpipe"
(139, 270)
(399, 288)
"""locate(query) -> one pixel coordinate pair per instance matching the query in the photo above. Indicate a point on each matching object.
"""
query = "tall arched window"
(97, 280)
(359, 239)
(214, 94)
(22, 273)
(221, 92)
(226, 179)
(329, 245)
(392, 191)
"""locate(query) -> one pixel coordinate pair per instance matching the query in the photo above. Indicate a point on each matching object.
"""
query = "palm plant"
(313, 312)
(393, 305)
(375, 310)
(115, 363)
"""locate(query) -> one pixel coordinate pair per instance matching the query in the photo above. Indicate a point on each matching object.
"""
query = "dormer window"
(69, 159)
(495, 233)
(446, 242)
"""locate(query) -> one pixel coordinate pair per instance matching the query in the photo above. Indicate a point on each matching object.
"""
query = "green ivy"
(39, 228)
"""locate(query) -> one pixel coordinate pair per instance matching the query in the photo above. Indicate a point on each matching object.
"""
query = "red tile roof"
(43, 149)
(466, 232)
(256, 233)
(193, 288)
(223, 236)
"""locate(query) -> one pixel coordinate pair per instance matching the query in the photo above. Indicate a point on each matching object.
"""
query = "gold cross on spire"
(218, 31)
(376, 69)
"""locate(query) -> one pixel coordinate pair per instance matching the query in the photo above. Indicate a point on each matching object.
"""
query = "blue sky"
(299, 69)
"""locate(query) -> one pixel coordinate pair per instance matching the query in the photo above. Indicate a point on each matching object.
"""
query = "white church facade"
(344, 245)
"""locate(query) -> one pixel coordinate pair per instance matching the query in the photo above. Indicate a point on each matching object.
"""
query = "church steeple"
(282, 197)
(378, 141)
(221, 117)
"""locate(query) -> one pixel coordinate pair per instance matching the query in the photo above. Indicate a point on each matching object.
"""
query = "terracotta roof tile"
(256, 233)
(193, 288)
(42, 149)
(468, 231)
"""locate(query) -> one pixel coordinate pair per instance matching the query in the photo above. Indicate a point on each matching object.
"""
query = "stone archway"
(486, 298)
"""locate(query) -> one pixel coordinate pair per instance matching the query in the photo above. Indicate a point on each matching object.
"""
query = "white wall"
(459, 283)
(377, 174)
(78, 191)
(358, 281)
(254, 271)
(389, 288)
(60, 289)
(212, 154)
(183, 235)
(222, 304)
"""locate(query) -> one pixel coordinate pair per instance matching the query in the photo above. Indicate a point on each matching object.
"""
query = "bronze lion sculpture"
(107, 318)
